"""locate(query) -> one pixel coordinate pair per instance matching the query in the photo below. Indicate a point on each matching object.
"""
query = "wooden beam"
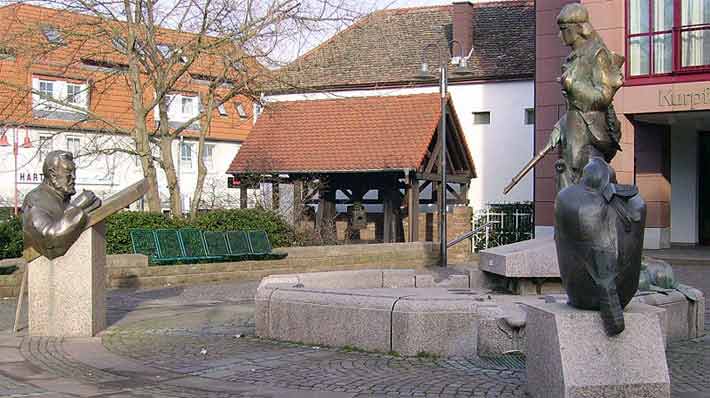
(434, 159)
(423, 186)
(242, 197)
(388, 214)
(413, 208)
(274, 195)
(455, 192)
(459, 179)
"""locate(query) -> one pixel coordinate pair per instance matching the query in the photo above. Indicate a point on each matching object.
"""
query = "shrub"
(118, 238)
(11, 238)
(279, 231)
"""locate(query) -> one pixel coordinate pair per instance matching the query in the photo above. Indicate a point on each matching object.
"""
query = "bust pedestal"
(67, 295)
(570, 355)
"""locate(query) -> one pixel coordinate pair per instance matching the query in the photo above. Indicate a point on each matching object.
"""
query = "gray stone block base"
(569, 355)
(67, 294)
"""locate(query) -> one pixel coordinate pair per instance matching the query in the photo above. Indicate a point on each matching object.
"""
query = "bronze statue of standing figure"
(591, 75)
(51, 222)
(599, 224)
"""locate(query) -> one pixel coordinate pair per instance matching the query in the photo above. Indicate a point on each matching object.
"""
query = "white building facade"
(106, 164)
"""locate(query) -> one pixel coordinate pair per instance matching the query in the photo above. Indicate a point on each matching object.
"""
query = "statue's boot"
(610, 309)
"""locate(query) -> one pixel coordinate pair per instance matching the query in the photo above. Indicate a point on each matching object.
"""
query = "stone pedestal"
(569, 355)
(67, 295)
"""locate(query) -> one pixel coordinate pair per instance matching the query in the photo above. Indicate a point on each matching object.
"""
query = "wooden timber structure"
(386, 144)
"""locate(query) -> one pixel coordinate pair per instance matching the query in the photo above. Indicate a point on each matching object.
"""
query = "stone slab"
(331, 318)
(444, 325)
(398, 278)
(535, 258)
(67, 295)
(569, 355)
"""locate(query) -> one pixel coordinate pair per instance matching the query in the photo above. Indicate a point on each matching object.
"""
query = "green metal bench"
(145, 242)
(170, 246)
(238, 242)
(261, 246)
(194, 245)
(217, 245)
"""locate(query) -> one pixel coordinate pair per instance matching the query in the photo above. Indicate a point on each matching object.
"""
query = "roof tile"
(338, 135)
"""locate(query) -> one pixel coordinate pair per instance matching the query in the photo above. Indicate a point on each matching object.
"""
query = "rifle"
(554, 140)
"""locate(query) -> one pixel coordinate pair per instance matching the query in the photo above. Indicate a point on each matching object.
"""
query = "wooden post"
(242, 196)
(298, 204)
(325, 218)
(413, 207)
(275, 195)
(385, 193)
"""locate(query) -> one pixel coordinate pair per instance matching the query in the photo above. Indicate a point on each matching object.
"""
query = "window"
(187, 105)
(240, 110)
(45, 146)
(46, 88)
(52, 35)
(165, 50)
(207, 155)
(119, 44)
(529, 116)
(73, 145)
(186, 155)
(667, 36)
(481, 118)
(74, 94)
(222, 110)
(181, 108)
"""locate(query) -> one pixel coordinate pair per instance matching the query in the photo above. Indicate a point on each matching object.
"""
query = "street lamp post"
(424, 74)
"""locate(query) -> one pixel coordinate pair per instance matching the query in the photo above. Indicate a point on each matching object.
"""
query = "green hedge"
(118, 240)
(11, 238)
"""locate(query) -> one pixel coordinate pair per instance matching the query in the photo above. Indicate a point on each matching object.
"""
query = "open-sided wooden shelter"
(355, 145)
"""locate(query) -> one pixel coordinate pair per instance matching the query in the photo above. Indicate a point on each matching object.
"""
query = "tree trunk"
(140, 132)
(201, 168)
(166, 155)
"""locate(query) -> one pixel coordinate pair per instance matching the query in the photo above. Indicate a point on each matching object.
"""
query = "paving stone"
(161, 333)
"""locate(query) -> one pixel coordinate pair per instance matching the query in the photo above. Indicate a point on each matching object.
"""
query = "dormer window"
(55, 98)
(182, 107)
(119, 44)
(240, 110)
(52, 35)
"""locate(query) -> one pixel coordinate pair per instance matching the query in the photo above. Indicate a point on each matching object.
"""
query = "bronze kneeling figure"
(599, 228)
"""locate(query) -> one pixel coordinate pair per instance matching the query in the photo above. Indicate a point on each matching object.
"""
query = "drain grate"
(508, 361)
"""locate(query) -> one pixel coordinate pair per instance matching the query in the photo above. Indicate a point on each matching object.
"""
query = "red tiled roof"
(337, 135)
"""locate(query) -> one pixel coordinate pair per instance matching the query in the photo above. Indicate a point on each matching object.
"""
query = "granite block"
(398, 278)
(360, 279)
(331, 318)
(424, 280)
(67, 295)
(569, 354)
(441, 326)
(535, 258)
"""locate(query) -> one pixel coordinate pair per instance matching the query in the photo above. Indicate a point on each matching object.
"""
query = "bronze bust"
(51, 221)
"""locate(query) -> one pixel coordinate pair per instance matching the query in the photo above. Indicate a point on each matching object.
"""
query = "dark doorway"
(704, 198)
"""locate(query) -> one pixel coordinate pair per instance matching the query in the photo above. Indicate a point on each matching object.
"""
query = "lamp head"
(424, 73)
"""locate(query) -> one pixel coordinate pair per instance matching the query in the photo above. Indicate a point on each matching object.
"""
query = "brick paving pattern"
(201, 337)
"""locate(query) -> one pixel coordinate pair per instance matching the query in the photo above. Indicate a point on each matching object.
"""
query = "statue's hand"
(87, 201)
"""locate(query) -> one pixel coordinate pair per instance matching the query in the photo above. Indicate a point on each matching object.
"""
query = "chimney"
(463, 26)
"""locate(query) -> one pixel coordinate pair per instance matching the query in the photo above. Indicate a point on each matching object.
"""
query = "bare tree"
(149, 50)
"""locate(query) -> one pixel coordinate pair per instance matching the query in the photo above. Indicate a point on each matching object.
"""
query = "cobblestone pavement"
(198, 342)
